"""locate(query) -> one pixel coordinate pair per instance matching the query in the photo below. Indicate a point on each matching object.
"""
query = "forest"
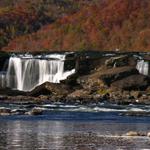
(74, 25)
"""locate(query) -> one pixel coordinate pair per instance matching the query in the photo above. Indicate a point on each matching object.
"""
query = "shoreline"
(48, 99)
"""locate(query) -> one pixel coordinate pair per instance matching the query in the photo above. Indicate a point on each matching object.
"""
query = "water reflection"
(61, 135)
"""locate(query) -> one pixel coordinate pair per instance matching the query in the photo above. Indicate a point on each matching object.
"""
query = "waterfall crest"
(25, 72)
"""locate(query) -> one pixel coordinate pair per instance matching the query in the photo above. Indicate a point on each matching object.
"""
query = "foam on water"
(84, 108)
(97, 108)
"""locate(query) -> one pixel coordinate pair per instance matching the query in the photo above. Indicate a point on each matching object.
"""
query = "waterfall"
(143, 67)
(25, 72)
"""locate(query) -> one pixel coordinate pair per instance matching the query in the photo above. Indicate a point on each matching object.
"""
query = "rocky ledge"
(114, 79)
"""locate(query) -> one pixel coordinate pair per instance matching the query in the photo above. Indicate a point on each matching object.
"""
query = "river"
(74, 127)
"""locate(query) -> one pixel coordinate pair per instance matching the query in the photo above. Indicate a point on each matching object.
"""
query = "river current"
(74, 127)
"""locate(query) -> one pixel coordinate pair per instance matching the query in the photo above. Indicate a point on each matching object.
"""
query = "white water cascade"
(25, 72)
(143, 67)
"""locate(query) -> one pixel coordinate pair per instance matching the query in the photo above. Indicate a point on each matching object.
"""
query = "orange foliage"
(104, 25)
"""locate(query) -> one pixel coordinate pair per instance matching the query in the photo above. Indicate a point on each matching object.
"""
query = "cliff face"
(75, 25)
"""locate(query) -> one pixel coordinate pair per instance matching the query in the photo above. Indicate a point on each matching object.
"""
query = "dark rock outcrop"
(50, 89)
(71, 80)
(114, 74)
(120, 61)
(133, 82)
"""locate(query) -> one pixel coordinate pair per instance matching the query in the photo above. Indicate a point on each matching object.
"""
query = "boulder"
(18, 112)
(135, 133)
(132, 133)
(119, 61)
(133, 82)
(35, 111)
(50, 89)
(5, 111)
(148, 134)
(113, 74)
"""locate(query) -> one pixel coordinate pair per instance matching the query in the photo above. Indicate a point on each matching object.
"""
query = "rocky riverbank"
(107, 77)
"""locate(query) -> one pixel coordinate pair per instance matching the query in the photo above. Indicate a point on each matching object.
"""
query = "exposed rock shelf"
(104, 77)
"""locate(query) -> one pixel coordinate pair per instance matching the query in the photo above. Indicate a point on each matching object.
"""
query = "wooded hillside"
(75, 25)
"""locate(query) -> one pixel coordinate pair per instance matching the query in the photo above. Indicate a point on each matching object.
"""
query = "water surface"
(71, 127)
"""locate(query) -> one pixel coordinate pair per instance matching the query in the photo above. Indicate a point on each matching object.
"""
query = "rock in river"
(5, 111)
(35, 111)
(135, 133)
(132, 133)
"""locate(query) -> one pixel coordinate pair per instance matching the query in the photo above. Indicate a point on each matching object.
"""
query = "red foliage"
(106, 25)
